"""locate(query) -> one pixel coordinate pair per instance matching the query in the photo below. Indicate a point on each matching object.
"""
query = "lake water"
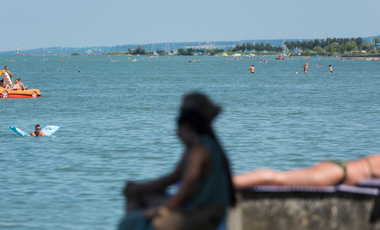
(117, 123)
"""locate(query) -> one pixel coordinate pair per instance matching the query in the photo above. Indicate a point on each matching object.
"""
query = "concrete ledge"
(298, 210)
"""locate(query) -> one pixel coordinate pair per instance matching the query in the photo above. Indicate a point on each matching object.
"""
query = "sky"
(83, 23)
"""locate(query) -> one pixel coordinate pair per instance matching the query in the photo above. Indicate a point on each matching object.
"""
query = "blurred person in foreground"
(205, 189)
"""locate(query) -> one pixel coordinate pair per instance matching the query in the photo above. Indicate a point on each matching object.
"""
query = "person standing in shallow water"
(252, 68)
(330, 69)
(206, 187)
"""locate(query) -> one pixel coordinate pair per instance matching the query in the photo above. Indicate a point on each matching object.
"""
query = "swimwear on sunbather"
(370, 167)
(341, 164)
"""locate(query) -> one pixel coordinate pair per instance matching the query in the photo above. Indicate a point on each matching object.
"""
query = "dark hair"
(197, 120)
(329, 65)
(202, 104)
(202, 125)
(5, 66)
(37, 126)
(19, 79)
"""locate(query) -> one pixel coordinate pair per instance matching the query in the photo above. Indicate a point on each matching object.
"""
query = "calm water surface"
(117, 123)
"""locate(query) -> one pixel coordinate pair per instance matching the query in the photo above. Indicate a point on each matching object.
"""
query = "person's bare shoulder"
(202, 148)
(200, 151)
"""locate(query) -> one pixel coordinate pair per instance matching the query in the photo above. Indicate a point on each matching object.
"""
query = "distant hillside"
(153, 47)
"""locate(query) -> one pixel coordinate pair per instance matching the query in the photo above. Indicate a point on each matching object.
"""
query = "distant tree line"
(138, 50)
(257, 47)
(331, 45)
(322, 46)
(191, 51)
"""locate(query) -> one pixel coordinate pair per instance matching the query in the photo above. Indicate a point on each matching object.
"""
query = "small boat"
(375, 59)
(280, 57)
(7, 93)
(194, 60)
(18, 93)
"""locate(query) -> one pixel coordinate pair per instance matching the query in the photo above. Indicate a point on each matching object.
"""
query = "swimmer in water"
(252, 68)
(37, 131)
(265, 61)
(305, 69)
(330, 68)
(307, 65)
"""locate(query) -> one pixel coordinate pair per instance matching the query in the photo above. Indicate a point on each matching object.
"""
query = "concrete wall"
(304, 211)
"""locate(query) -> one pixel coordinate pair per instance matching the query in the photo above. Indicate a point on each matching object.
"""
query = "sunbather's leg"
(323, 174)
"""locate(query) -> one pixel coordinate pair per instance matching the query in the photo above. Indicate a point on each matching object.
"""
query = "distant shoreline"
(118, 55)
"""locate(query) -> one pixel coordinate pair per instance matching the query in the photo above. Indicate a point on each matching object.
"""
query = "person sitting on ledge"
(322, 174)
(139, 196)
(206, 187)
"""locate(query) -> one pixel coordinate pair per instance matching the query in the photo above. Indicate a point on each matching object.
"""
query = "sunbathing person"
(37, 132)
(206, 188)
(22, 85)
(322, 174)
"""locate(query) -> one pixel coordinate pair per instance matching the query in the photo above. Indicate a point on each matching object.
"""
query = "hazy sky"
(80, 23)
